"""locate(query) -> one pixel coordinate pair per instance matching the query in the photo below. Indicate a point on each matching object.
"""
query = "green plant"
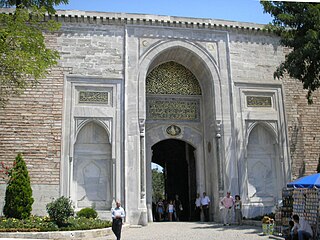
(18, 197)
(87, 213)
(44, 224)
(60, 210)
(85, 224)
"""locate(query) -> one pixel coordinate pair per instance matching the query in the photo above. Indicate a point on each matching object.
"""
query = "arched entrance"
(178, 90)
(177, 159)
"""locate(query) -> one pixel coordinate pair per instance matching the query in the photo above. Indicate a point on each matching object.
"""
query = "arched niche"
(92, 168)
(263, 165)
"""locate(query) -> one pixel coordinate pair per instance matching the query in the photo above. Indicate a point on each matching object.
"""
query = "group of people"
(230, 204)
(202, 204)
(168, 210)
(300, 229)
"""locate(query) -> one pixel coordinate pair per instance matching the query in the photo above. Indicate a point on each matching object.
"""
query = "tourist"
(154, 211)
(197, 207)
(170, 210)
(301, 228)
(177, 207)
(238, 210)
(227, 203)
(160, 209)
(205, 201)
(118, 215)
(287, 232)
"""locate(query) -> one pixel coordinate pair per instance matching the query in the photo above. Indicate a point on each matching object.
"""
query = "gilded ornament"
(172, 78)
(173, 130)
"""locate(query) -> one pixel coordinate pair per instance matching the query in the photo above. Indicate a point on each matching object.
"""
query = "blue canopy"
(306, 182)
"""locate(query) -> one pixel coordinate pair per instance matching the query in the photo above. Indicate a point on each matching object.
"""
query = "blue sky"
(235, 10)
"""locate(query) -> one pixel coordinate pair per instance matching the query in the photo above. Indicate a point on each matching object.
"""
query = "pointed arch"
(270, 127)
(92, 166)
(263, 164)
(81, 123)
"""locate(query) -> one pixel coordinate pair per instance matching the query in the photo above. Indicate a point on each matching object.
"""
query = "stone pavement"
(156, 231)
(191, 231)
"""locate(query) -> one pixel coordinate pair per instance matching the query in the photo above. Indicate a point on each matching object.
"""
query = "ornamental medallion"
(173, 130)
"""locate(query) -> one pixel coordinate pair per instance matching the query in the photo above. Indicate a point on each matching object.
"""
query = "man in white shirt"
(227, 203)
(117, 215)
(205, 201)
(301, 227)
(197, 207)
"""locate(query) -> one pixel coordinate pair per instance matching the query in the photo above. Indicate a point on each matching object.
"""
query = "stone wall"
(303, 128)
(253, 56)
(31, 124)
(90, 50)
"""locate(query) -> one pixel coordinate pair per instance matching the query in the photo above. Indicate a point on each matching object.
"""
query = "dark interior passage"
(178, 162)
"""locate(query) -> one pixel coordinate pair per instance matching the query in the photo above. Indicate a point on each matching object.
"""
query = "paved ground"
(191, 231)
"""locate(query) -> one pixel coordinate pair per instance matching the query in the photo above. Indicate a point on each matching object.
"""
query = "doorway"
(177, 159)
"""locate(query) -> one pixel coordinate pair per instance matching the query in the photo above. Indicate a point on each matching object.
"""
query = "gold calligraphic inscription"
(93, 97)
(172, 78)
(173, 130)
(173, 109)
(258, 101)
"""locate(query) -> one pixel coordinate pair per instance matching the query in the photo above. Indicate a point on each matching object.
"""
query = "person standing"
(160, 209)
(227, 203)
(170, 210)
(205, 201)
(117, 215)
(197, 207)
(177, 207)
(238, 209)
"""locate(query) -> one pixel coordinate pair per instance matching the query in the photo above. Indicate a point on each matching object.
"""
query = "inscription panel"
(259, 101)
(173, 109)
(93, 97)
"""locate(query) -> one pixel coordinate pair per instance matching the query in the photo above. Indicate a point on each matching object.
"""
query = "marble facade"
(235, 122)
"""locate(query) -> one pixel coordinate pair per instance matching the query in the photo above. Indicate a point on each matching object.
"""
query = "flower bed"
(44, 224)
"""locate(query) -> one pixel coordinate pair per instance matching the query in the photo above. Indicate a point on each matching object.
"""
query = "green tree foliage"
(47, 4)
(298, 25)
(24, 57)
(157, 185)
(18, 197)
(60, 210)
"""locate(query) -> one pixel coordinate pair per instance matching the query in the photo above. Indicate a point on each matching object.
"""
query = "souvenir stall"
(306, 200)
(283, 214)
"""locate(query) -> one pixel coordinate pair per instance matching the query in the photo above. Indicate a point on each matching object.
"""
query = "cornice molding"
(93, 17)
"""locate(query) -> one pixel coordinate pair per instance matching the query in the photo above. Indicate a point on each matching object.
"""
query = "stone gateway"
(195, 96)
